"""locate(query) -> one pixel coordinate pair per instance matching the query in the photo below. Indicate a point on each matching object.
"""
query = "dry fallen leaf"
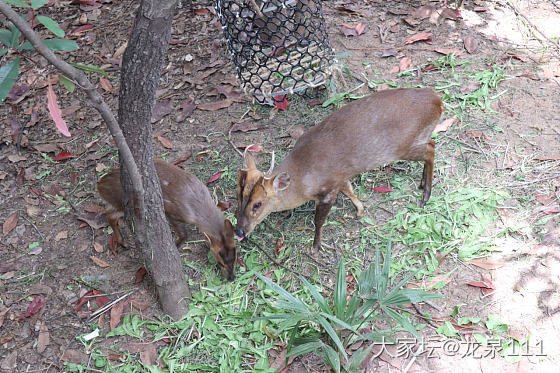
(100, 262)
(471, 43)
(443, 126)
(120, 50)
(10, 223)
(98, 247)
(44, 338)
(165, 142)
(404, 64)
(216, 105)
(106, 84)
(246, 126)
(421, 36)
(32, 211)
(116, 314)
(161, 109)
(486, 263)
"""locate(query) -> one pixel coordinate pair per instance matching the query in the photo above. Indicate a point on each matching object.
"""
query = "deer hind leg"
(113, 220)
(349, 192)
(428, 173)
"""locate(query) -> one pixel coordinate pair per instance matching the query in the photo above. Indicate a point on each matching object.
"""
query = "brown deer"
(186, 201)
(383, 127)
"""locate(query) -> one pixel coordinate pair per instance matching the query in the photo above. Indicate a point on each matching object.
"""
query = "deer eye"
(257, 206)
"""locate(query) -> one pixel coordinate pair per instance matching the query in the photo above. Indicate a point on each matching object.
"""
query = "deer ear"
(248, 161)
(281, 181)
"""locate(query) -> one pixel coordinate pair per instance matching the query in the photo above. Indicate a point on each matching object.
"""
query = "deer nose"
(239, 232)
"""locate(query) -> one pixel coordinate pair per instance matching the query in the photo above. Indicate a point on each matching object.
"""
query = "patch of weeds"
(454, 220)
(316, 326)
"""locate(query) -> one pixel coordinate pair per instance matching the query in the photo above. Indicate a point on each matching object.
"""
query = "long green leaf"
(404, 296)
(283, 293)
(315, 294)
(365, 307)
(352, 307)
(340, 291)
(17, 3)
(67, 83)
(3, 51)
(401, 320)
(366, 280)
(55, 44)
(353, 365)
(305, 348)
(51, 25)
(36, 4)
(8, 77)
(386, 268)
(332, 358)
(334, 337)
(339, 322)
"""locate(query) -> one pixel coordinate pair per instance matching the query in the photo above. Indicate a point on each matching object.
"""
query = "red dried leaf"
(486, 263)
(10, 223)
(62, 156)
(19, 176)
(481, 284)
(201, 155)
(543, 199)
(315, 102)
(421, 36)
(224, 205)
(182, 158)
(139, 275)
(480, 9)
(100, 299)
(113, 245)
(201, 11)
(471, 44)
(55, 112)
(444, 126)
(74, 177)
(382, 189)
(215, 177)
(114, 357)
(255, 148)
(81, 29)
(281, 102)
(36, 304)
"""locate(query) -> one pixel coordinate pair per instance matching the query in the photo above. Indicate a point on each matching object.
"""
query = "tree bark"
(140, 74)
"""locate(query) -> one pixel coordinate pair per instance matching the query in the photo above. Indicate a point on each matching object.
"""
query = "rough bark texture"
(140, 74)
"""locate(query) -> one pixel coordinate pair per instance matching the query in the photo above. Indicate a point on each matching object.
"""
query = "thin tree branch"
(96, 99)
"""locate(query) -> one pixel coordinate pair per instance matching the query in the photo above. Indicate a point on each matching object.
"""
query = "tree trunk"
(140, 74)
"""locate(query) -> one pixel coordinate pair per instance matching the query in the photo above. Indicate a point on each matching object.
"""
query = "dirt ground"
(523, 158)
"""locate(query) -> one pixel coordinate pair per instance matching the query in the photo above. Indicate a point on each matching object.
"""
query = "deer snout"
(240, 233)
